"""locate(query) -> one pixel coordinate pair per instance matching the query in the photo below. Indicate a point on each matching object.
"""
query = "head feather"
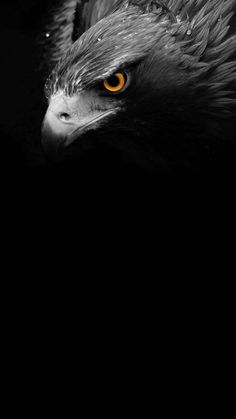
(191, 33)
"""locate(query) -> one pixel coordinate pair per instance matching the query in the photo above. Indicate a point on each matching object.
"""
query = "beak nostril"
(63, 116)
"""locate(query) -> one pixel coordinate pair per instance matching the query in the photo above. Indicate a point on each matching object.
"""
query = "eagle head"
(149, 78)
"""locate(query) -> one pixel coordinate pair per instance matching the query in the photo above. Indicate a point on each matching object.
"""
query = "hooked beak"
(65, 121)
(57, 135)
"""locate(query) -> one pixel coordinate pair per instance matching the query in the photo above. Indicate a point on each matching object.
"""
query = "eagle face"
(163, 85)
(109, 77)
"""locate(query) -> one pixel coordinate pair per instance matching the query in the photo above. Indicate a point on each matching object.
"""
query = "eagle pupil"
(113, 81)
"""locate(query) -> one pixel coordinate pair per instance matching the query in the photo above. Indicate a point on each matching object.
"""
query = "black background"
(23, 104)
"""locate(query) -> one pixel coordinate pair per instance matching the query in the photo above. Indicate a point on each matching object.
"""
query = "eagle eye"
(116, 83)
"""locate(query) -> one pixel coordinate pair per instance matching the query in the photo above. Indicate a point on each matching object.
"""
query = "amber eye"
(115, 83)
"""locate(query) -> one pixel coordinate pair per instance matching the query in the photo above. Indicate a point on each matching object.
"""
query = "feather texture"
(200, 26)
(185, 50)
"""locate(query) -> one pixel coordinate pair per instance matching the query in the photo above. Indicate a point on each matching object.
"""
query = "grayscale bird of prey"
(154, 79)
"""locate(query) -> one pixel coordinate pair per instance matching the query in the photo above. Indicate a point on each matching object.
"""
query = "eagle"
(154, 79)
